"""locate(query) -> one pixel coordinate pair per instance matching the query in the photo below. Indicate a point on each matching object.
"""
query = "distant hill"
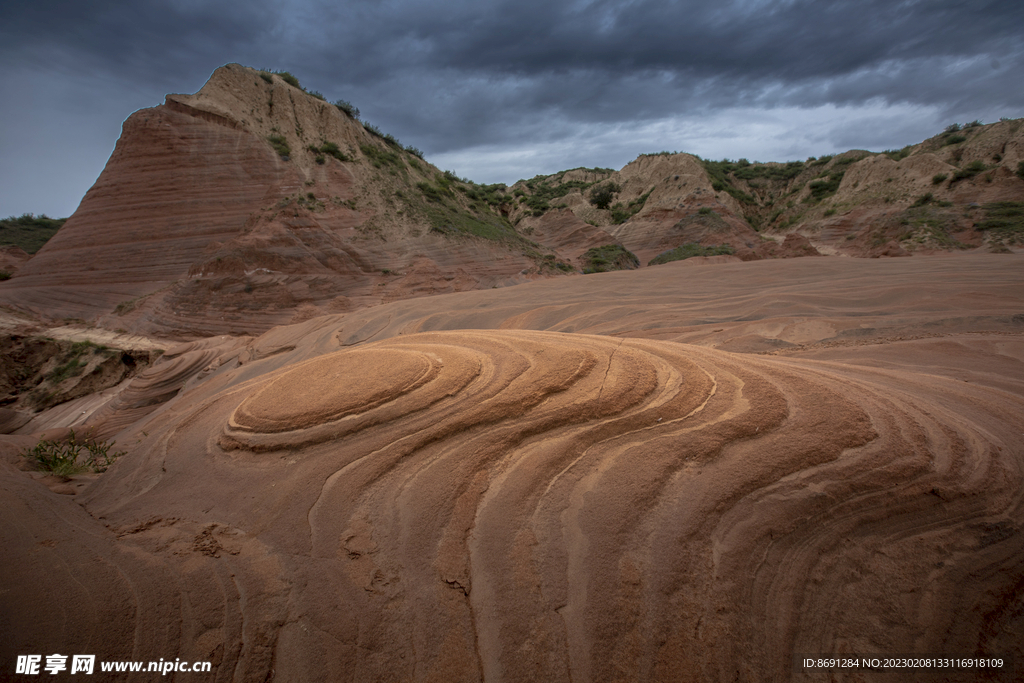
(255, 203)
(28, 232)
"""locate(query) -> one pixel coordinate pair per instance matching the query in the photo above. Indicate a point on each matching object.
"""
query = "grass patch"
(280, 145)
(826, 187)
(969, 171)
(330, 149)
(72, 365)
(347, 108)
(689, 250)
(621, 214)
(1004, 220)
(28, 231)
(73, 455)
(381, 158)
(608, 258)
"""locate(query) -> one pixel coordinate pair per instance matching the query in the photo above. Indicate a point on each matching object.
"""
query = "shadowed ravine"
(522, 505)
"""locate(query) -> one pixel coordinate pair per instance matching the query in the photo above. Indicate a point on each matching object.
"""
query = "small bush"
(602, 195)
(954, 140)
(939, 178)
(379, 157)
(609, 257)
(333, 150)
(347, 108)
(969, 171)
(267, 77)
(923, 199)
(690, 250)
(73, 455)
(317, 94)
(5, 275)
(821, 189)
(1004, 218)
(705, 211)
(952, 128)
(28, 231)
(289, 79)
(280, 145)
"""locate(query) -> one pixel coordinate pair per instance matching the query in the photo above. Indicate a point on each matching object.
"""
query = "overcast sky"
(498, 90)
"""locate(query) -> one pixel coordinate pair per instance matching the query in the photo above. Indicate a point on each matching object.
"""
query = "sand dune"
(421, 491)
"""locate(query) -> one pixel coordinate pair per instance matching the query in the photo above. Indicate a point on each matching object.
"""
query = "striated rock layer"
(519, 504)
(198, 227)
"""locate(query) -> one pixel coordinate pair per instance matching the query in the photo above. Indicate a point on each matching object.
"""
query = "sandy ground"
(678, 474)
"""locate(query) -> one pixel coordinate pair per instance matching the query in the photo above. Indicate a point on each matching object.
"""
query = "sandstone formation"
(200, 225)
(542, 483)
(253, 203)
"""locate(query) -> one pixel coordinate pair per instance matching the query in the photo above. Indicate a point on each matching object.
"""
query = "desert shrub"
(609, 257)
(689, 250)
(289, 79)
(621, 214)
(414, 151)
(267, 77)
(1005, 219)
(898, 154)
(705, 211)
(973, 124)
(954, 140)
(952, 128)
(969, 171)
(939, 178)
(602, 195)
(347, 108)
(73, 455)
(434, 193)
(317, 94)
(380, 157)
(333, 150)
(5, 275)
(280, 145)
(823, 188)
(28, 231)
(923, 199)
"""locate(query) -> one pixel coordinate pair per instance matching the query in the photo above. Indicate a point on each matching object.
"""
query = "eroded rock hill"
(939, 195)
(253, 203)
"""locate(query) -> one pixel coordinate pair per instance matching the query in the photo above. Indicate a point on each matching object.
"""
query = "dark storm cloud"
(452, 75)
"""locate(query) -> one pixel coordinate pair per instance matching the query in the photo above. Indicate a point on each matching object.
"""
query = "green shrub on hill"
(608, 258)
(689, 250)
(28, 231)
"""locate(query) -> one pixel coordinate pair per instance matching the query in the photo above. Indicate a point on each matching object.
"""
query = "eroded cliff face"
(253, 203)
(924, 198)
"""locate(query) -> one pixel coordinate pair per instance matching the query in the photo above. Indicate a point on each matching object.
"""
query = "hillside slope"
(254, 203)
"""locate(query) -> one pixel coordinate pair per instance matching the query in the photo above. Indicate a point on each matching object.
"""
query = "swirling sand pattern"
(514, 506)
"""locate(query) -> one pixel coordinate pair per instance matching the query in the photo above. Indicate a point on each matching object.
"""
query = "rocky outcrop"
(253, 202)
(446, 488)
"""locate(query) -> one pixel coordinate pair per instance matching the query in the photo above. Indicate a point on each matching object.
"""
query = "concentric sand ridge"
(513, 505)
